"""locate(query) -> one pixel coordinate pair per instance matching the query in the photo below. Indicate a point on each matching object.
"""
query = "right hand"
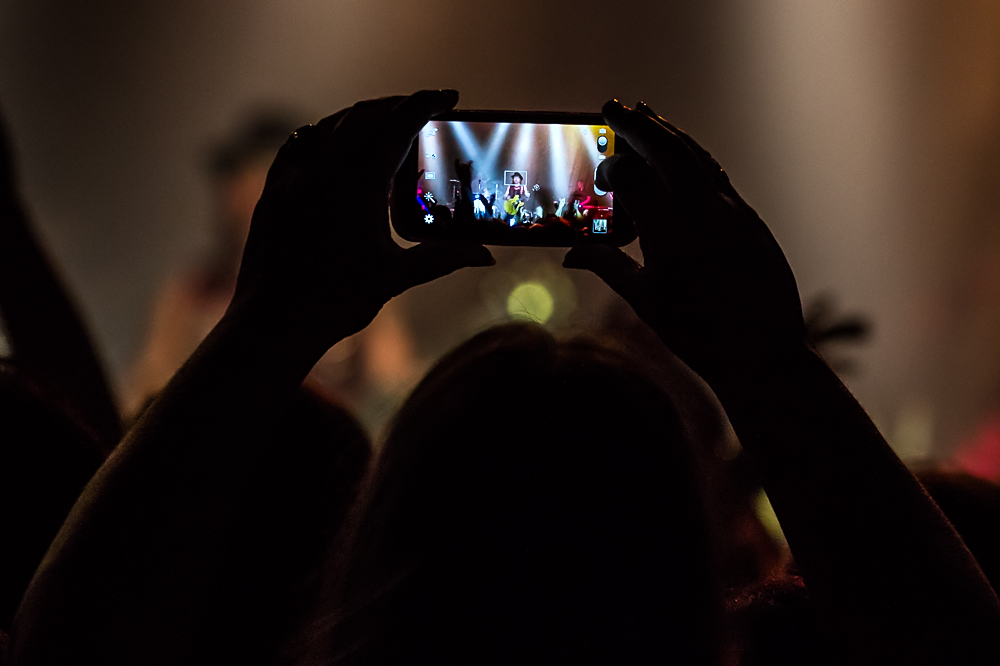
(714, 286)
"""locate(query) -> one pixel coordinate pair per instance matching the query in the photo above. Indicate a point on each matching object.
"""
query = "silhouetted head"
(535, 501)
(316, 459)
(516, 178)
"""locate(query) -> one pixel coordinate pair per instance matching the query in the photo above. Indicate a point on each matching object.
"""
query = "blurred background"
(865, 132)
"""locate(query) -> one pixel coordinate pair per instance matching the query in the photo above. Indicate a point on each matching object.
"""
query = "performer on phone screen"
(514, 197)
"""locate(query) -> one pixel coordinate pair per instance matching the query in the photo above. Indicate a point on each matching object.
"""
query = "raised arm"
(50, 344)
(132, 570)
(890, 577)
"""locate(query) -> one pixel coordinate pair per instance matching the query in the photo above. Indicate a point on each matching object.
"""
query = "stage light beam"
(493, 150)
(587, 134)
(557, 154)
(465, 140)
(522, 153)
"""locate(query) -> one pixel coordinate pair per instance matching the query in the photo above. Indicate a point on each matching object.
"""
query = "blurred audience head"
(239, 164)
(535, 501)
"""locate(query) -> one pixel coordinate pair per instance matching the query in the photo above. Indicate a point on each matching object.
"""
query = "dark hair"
(295, 505)
(517, 174)
(534, 501)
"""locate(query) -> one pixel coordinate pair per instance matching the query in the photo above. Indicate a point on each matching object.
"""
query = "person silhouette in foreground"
(567, 528)
(57, 413)
(49, 342)
(890, 579)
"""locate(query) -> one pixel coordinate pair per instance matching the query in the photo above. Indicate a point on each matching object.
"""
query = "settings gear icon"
(428, 219)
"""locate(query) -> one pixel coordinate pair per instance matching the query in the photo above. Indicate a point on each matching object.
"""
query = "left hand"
(320, 257)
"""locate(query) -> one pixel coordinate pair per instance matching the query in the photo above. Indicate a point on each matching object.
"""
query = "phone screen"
(513, 182)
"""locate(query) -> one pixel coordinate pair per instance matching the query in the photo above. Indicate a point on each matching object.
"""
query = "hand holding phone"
(715, 285)
(510, 178)
(320, 255)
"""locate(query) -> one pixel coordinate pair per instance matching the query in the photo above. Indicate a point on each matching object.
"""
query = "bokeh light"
(531, 300)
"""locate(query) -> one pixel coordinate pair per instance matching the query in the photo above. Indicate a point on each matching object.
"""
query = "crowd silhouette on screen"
(245, 518)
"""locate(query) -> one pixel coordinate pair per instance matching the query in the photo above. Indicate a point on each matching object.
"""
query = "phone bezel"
(404, 189)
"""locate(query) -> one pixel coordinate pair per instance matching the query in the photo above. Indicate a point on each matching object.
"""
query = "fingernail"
(644, 108)
(614, 108)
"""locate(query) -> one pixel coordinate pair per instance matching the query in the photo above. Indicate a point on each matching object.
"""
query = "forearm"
(48, 338)
(892, 579)
(125, 578)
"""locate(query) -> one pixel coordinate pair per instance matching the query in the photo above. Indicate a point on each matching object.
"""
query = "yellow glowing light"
(765, 513)
(530, 300)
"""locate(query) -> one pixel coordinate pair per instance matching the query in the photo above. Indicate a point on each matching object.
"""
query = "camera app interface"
(495, 180)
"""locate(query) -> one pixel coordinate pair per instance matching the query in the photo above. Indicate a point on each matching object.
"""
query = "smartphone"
(510, 178)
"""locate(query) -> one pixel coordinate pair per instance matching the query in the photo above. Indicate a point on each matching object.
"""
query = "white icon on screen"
(428, 219)
(429, 175)
(600, 226)
(430, 156)
(598, 191)
(602, 131)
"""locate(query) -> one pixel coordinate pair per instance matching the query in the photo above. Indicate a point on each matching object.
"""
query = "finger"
(618, 270)
(413, 112)
(641, 191)
(713, 170)
(662, 149)
(361, 112)
(296, 156)
(602, 172)
(358, 128)
(430, 260)
(410, 115)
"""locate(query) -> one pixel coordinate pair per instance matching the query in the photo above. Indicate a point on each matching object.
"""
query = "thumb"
(617, 269)
(431, 260)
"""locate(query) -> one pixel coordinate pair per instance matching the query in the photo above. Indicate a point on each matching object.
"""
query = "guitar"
(514, 205)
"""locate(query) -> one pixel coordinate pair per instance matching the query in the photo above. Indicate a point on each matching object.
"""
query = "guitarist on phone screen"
(514, 198)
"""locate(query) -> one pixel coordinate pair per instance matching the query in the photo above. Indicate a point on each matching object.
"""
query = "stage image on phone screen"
(513, 180)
